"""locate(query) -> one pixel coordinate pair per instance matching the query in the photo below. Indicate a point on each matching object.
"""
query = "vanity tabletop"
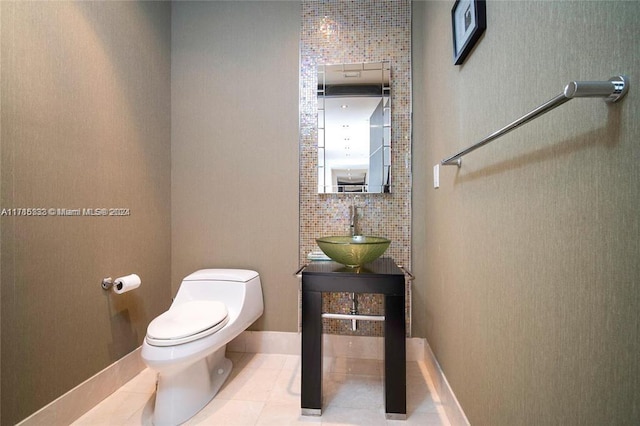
(380, 266)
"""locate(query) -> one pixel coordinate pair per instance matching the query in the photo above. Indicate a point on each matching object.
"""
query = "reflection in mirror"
(354, 128)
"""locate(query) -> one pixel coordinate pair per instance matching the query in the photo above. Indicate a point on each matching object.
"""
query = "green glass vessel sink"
(353, 251)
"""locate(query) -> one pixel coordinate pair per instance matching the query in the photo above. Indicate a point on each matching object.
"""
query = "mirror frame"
(361, 80)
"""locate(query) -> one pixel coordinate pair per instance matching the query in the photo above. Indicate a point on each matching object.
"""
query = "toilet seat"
(187, 322)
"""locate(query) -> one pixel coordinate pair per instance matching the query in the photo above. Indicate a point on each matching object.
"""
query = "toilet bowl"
(186, 345)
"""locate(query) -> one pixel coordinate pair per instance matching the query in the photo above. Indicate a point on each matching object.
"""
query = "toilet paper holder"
(107, 283)
(122, 284)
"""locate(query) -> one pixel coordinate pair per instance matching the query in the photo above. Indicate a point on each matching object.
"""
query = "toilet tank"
(233, 287)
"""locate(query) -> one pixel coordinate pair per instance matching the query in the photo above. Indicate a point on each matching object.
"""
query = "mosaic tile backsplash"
(336, 32)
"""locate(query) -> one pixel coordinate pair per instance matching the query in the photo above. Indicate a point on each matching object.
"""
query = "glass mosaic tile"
(335, 32)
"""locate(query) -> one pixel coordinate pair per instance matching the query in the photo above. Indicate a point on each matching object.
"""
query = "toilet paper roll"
(124, 284)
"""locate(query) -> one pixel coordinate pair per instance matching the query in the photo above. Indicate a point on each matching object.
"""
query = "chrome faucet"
(353, 213)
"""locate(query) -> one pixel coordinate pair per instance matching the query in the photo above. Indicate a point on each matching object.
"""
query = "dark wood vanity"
(381, 276)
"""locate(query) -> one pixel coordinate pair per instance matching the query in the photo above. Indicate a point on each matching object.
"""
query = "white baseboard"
(276, 342)
(448, 399)
(73, 404)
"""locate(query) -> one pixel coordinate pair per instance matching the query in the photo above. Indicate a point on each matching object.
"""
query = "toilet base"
(181, 395)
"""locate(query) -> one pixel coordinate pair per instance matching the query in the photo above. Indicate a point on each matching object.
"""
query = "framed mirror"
(354, 128)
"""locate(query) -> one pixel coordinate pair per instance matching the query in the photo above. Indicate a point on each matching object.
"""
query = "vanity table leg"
(311, 389)
(395, 367)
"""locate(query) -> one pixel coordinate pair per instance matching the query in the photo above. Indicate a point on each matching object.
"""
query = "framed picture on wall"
(468, 21)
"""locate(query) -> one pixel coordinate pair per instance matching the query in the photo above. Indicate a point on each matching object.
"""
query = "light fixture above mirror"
(354, 128)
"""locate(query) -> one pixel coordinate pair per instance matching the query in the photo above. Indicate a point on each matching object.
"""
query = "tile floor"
(264, 389)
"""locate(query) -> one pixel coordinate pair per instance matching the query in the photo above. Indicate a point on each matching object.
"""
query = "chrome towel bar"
(613, 90)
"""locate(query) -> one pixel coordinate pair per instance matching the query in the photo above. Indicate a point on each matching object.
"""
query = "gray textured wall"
(526, 258)
(85, 110)
(235, 145)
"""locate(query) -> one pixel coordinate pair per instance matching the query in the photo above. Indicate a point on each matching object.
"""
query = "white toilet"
(186, 345)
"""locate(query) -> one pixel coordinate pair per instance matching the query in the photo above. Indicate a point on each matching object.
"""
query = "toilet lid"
(186, 320)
